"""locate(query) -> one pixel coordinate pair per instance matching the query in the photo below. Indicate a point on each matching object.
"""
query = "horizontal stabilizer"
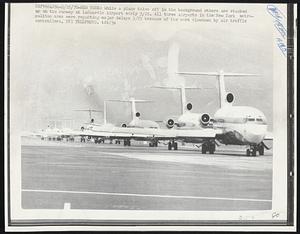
(176, 87)
(216, 74)
(198, 73)
(128, 100)
(90, 110)
(239, 74)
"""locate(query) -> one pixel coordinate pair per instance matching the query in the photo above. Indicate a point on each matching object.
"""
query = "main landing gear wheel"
(152, 144)
(261, 149)
(172, 144)
(175, 146)
(98, 141)
(208, 147)
(82, 139)
(203, 149)
(126, 142)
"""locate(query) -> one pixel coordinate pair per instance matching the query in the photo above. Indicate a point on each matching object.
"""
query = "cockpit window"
(258, 120)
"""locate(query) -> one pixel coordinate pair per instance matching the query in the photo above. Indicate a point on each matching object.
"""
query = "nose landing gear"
(254, 149)
(251, 151)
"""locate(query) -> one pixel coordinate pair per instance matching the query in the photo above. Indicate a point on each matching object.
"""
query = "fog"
(55, 69)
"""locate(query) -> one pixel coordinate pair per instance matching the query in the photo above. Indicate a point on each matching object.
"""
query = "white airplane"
(187, 119)
(92, 127)
(52, 132)
(136, 121)
(136, 129)
(240, 125)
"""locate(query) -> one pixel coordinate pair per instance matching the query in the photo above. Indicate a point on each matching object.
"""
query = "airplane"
(187, 119)
(94, 127)
(51, 132)
(240, 125)
(135, 129)
(136, 121)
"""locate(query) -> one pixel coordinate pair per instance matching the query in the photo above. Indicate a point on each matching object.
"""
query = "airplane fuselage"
(189, 119)
(241, 125)
(140, 123)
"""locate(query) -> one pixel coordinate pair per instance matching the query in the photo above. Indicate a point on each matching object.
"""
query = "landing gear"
(98, 140)
(153, 144)
(82, 139)
(253, 149)
(261, 149)
(172, 144)
(208, 146)
(127, 142)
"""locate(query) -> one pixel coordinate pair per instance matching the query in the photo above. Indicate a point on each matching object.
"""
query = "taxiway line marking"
(146, 195)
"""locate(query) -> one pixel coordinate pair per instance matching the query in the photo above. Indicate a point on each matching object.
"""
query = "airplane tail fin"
(224, 97)
(173, 56)
(133, 101)
(182, 93)
(90, 112)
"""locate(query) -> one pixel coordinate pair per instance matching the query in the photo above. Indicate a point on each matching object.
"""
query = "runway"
(108, 176)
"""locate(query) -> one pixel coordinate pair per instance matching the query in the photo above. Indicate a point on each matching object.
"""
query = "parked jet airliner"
(240, 125)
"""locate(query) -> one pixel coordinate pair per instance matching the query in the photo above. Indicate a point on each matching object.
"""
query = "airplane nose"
(256, 134)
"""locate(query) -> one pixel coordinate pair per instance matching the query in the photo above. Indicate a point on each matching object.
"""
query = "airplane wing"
(269, 136)
(186, 135)
(117, 133)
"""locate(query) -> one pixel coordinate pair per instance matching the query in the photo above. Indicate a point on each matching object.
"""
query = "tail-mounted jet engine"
(137, 114)
(170, 123)
(229, 97)
(204, 120)
(124, 125)
(189, 106)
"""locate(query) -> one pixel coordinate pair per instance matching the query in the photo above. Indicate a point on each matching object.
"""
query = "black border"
(290, 114)
(2, 14)
(8, 116)
(290, 143)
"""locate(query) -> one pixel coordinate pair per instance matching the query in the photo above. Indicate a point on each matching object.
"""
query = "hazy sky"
(58, 68)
